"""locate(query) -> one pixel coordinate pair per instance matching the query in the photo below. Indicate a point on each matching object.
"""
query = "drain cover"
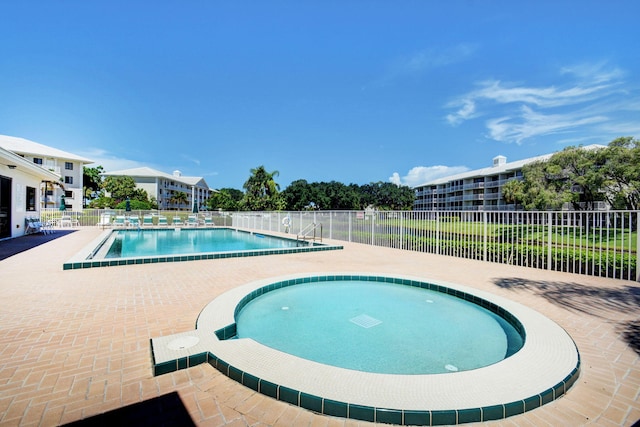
(365, 321)
(183, 343)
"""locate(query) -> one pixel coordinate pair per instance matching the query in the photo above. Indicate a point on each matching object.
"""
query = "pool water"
(378, 327)
(140, 243)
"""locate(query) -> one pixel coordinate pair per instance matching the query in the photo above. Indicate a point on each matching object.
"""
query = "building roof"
(498, 169)
(12, 160)
(148, 172)
(24, 146)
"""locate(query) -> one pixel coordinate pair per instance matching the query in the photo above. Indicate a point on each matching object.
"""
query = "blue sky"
(351, 91)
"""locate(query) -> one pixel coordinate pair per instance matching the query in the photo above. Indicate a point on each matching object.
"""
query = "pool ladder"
(309, 233)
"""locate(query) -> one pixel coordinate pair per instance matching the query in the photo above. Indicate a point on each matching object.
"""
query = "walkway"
(75, 344)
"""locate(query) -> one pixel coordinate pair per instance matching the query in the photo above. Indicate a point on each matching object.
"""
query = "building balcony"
(473, 185)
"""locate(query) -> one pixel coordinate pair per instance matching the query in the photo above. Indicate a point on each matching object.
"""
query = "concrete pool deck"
(76, 344)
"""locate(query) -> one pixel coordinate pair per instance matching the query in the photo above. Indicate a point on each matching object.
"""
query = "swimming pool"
(544, 368)
(145, 246)
(343, 323)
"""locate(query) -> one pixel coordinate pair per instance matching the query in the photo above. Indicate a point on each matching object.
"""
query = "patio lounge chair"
(192, 220)
(177, 221)
(119, 221)
(33, 226)
(68, 221)
(134, 221)
(105, 220)
(162, 221)
(147, 221)
(208, 221)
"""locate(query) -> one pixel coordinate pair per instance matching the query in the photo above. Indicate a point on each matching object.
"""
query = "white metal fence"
(586, 242)
(593, 243)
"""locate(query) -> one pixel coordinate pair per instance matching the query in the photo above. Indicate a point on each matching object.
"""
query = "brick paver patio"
(76, 344)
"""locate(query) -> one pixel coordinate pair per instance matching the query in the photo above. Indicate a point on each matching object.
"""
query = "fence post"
(401, 229)
(637, 244)
(349, 216)
(484, 236)
(549, 221)
(437, 233)
(373, 229)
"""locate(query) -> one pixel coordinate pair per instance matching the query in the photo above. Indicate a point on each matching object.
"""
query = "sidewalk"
(75, 344)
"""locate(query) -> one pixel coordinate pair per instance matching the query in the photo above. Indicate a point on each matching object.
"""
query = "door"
(5, 207)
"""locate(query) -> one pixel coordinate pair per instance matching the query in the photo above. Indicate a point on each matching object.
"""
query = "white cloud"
(434, 58)
(421, 174)
(425, 60)
(465, 112)
(530, 123)
(590, 96)
(190, 159)
(108, 161)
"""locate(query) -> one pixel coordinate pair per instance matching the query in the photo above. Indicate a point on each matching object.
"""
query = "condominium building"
(20, 195)
(68, 167)
(476, 190)
(163, 186)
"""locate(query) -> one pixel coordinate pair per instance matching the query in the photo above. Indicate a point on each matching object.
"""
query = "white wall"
(19, 183)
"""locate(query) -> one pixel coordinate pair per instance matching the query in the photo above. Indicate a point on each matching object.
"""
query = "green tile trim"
(418, 418)
(200, 256)
(363, 413)
(330, 407)
(311, 402)
(334, 408)
(388, 416)
(443, 418)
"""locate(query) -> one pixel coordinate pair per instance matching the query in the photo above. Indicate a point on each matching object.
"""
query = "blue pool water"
(154, 242)
(378, 327)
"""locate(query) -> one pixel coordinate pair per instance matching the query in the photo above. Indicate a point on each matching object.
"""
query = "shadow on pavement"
(591, 300)
(166, 410)
(10, 247)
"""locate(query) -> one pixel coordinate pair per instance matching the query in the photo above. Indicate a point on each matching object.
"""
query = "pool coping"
(542, 371)
(83, 258)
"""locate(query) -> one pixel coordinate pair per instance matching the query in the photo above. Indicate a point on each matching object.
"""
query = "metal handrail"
(311, 228)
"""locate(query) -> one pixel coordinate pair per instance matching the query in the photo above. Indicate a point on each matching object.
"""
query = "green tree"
(91, 182)
(102, 202)
(543, 183)
(298, 195)
(136, 204)
(120, 187)
(301, 195)
(621, 186)
(262, 193)
(582, 176)
(387, 196)
(226, 199)
(513, 192)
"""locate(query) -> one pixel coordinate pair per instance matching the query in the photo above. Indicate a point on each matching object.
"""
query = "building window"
(68, 194)
(31, 199)
(37, 160)
(68, 180)
(68, 166)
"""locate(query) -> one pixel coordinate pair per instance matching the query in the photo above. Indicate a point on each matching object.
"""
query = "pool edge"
(332, 407)
(82, 259)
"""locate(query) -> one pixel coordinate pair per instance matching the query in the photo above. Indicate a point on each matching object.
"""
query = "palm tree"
(262, 191)
(179, 198)
(50, 186)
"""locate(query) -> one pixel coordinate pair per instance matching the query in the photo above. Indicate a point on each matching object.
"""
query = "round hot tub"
(495, 358)
(381, 327)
